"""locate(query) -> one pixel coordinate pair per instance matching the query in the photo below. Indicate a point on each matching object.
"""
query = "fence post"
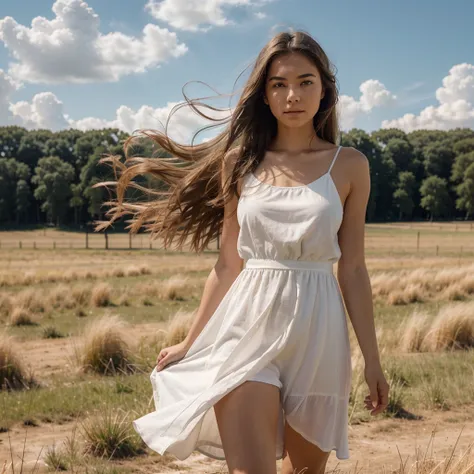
(20, 244)
(129, 240)
(34, 244)
(106, 240)
(437, 250)
(87, 238)
(418, 240)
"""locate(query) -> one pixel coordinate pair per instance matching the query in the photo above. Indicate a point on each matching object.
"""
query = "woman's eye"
(277, 84)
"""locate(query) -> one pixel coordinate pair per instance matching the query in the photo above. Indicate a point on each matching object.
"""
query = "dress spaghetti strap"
(334, 159)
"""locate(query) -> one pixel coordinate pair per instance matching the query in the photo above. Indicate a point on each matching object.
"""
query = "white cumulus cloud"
(197, 15)
(455, 108)
(182, 126)
(70, 47)
(373, 94)
(44, 111)
(7, 87)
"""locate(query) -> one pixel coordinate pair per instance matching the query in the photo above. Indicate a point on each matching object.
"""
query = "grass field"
(423, 238)
(65, 309)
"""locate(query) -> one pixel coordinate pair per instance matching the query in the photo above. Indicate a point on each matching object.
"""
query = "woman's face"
(293, 84)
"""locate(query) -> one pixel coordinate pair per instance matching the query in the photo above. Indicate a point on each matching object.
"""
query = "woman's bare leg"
(248, 422)
(301, 456)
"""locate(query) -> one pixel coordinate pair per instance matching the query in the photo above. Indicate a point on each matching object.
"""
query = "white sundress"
(282, 321)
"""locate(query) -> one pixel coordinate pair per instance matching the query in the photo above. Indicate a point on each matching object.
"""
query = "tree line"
(47, 177)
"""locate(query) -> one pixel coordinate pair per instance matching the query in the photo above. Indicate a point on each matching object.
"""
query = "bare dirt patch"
(374, 446)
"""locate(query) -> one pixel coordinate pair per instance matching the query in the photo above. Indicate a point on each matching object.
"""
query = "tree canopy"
(48, 177)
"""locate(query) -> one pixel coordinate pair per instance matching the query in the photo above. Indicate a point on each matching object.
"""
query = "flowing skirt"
(289, 313)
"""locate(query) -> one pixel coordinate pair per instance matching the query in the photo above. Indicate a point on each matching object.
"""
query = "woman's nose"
(293, 96)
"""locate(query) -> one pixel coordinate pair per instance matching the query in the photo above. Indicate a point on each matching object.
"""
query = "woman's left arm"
(354, 279)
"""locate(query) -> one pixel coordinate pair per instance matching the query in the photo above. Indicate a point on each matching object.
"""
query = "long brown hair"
(193, 203)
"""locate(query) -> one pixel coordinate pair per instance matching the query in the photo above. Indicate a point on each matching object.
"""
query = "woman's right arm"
(223, 274)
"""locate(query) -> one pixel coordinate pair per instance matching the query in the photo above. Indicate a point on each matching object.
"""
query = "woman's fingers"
(162, 354)
(163, 362)
(382, 400)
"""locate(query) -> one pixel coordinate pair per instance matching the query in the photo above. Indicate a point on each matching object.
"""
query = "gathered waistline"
(289, 264)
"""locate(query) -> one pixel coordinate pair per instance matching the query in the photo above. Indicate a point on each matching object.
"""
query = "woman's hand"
(377, 400)
(171, 354)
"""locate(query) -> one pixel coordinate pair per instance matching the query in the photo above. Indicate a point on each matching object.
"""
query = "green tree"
(11, 171)
(53, 179)
(435, 197)
(420, 139)
(61, 148)
(403, 195)
(461, 163)
(32, 147)
(23, 195)
(10, 138)
(400, 151)
(438, 159)
(384, 135)
(464, 146)
(76, 201)
(465, 191)
(86, 145)
(382, 174)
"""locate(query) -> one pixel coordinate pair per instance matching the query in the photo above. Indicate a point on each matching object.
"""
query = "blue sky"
(398, 52)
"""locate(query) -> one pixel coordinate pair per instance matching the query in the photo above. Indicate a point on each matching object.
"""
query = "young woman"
(265, 370)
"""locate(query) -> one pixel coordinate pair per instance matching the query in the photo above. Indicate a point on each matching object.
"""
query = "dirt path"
(373, 446)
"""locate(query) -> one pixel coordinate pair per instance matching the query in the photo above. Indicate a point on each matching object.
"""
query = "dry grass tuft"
(110, 435)
(21, 317)
(32, 300)
(6, 305)
(424, 464)
(144, 269)
(423, 284)
(118, 272)
(106, 347)
(176, 288)
(81, 295)
(61, 298)
(451, 329)
(178, 327)
(100, 295)
(414, 331)
(13, 374)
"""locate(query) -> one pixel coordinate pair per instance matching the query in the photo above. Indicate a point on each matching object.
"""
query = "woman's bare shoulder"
(354, 160)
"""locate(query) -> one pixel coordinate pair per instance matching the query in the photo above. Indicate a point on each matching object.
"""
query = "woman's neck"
(296, 140)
